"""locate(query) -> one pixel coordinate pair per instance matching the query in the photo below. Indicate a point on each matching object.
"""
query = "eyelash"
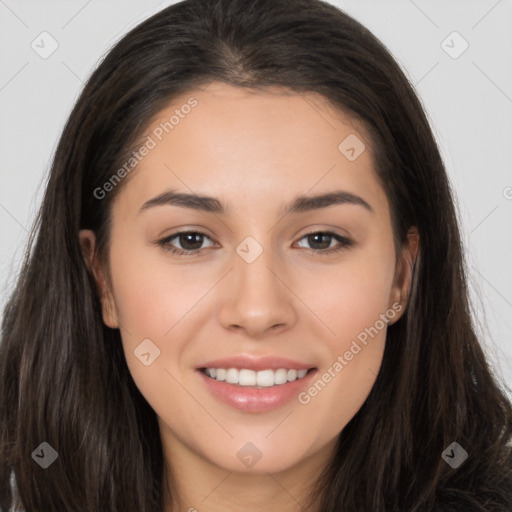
(344, 242)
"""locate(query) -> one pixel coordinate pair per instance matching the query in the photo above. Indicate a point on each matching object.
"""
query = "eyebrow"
(299, 204)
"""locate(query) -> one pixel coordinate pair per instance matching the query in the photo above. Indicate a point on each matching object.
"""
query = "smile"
(263, 378)
(255, 391)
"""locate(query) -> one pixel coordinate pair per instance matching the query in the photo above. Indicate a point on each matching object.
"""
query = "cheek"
(159, 303)
(154, 302)
(151, 297)
(352, 303)
(351, 296)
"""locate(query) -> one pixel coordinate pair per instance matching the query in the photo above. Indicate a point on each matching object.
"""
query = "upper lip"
(256, 363)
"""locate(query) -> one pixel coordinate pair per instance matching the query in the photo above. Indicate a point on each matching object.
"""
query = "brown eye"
(321, 242)
(190, 242)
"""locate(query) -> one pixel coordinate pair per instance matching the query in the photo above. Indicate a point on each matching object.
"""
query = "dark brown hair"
(63, 375)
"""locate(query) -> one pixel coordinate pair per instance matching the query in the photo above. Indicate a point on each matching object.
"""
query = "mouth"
(252, 391)
(247, 378)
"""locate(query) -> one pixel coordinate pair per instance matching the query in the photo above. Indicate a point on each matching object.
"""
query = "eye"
(321, 242)
(190, 242)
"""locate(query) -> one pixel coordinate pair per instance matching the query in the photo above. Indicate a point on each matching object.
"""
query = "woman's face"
(254, 284)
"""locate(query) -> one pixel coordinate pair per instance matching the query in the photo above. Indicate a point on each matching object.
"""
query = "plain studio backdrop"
(457, 54)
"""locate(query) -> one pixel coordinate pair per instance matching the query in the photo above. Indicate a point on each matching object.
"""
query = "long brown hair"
(63, 375)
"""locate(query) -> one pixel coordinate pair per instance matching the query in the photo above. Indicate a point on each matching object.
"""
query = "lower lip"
(253, 399)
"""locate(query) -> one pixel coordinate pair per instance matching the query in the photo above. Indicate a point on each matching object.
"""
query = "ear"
(87, 240)
(403, 273)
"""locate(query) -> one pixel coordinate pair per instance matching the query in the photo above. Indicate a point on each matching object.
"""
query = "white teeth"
(263, 378)
(232, 376)
(247, 378)
(281, 376)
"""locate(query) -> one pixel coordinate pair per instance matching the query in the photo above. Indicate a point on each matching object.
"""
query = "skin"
(255, 151)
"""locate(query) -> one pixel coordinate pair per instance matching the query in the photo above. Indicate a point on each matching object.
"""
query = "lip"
(256, 363)
(252, 398)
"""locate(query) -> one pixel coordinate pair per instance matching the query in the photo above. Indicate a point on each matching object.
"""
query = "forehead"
(259, 146)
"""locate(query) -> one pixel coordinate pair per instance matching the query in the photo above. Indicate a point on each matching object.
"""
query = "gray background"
(468, 100)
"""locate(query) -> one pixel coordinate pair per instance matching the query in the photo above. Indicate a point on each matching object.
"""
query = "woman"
(316, 354)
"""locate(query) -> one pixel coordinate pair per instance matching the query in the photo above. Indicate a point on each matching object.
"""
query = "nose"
(256, 297)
